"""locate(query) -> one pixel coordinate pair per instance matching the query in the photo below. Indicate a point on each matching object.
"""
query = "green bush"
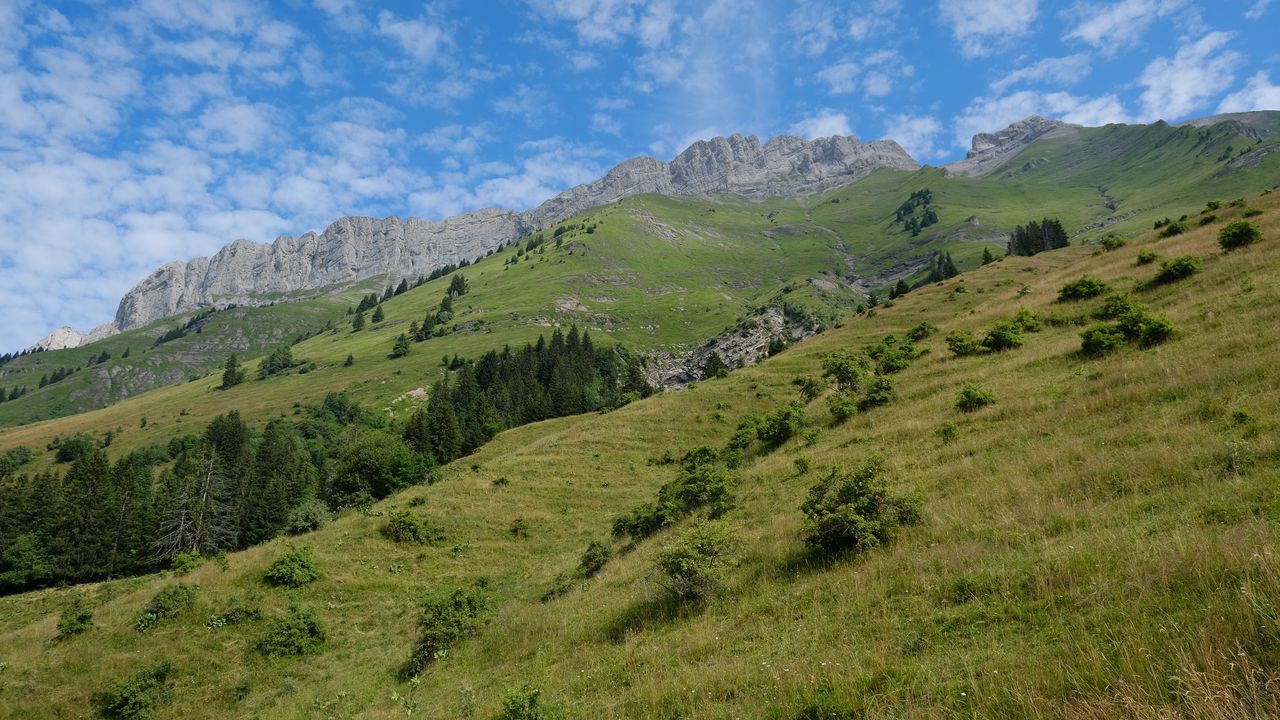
(445, 620)
(1252, 212)
(378, 464)
(848, 369)
(295, 568)
(1082, 288)
(594, 558)
(973, 397)
(1028, 321)
(524, 704)
(170, 602)
(239, 609)
(1238, 234)
(692, 562)
(1173, 228)
(136, 697)
(1100, 339)
(1112, 242)
(1147, 256)
(1005, 335)
(185, 562)
(297, 632)
(852, 512)
(880, 391)
(77, 617)
(1176, 269)
(920, 332)
(781, 425)
(1114, 307)
(1144, 328)
(948, 432)
(403, 527)
(309, 515)
(962, 343)
(843, 406)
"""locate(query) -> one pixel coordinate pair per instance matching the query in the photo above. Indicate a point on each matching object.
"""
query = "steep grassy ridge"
(1102, 542)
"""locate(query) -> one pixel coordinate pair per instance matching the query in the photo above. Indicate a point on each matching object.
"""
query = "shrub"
(1176, 269)
(922, 331)
(948, 432)
(962, 343)
(1100, 339)
(1252, 212)
(973, 397)
(880, 391)
(1238, 234)
(1028, 321)
(1115, 306)
(403, 527)
(1112, 242)
(445, 620)
(780, 425)
(1144, 328)
(239, 609)
(852, 512)
(848, 369)
(692, 561)
(809, 388)
(1208, 220)
(297, 632)
(1082, 288)
(524, 704)
(169, 602)
(843, 406)
(1006, 335)
(1173, 228)
(185, 562)
(77, 617)
(802, 464)
(138, 696)
(594, 558)
(310, 515)
(295, 568)
(1147, 256)
(378, 463)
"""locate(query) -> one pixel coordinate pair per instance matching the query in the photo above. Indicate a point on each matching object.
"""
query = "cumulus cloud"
(1111, 26)
(1198, 72)
(1257, 94)
(1061, 71)
(982, 27)
(1257, 10)
(826, 123)
(420, 40)
(916, 134)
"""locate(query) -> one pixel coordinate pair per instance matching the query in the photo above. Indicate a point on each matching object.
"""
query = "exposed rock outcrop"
(989, 151)
(355, 248)
(63, 337)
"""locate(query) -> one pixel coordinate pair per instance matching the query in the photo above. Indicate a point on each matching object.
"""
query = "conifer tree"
(403, 287)
(401, 347)
(378, 315)
(357, 323)
(232, 375)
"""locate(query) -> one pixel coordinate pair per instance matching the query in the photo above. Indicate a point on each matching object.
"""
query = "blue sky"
(134, 133)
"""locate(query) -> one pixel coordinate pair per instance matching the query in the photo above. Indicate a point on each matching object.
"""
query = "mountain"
(355, 248)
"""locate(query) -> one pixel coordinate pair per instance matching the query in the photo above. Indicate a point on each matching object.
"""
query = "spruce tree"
(378, 315)
(232, 375)
(351, 360)
(401, 347)
(987, 256)
(357, 323)
(403, 287)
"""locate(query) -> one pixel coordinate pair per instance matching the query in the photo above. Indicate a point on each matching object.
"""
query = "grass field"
(1102, 542)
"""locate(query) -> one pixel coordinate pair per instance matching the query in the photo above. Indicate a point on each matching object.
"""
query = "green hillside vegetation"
(1029, 530)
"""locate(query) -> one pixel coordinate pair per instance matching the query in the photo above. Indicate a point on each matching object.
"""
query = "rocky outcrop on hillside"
(989, 151)
(355, 248)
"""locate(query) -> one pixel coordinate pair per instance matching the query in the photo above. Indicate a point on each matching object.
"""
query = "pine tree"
(401, 347)
(458, 285)
(446, 305)
(987, 256)
(417, 432)
(403, 287)
(444, 432)
(232, 375)
(378, 315)
(357, 323)
(351, 360)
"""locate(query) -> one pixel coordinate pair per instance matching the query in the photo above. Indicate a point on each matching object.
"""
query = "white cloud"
(985, 26)
(1111, 26)
(916, 134)
(877, 84)
(605, 123)
(529, 103)
(1197, 72)
(1258, 9)
(825, 124)
(458, 139)
(985, 115)
(840, 78)
(1061, 71)
(1258, 94)
(422, 41)
(233, 128)
(814, 25)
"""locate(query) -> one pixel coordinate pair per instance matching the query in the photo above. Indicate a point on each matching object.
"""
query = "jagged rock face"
(61, 338)
(355, 248)
(990, 150)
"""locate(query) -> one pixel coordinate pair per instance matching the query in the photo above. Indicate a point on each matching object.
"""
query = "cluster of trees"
(196, 323)
(434, 318)
(941, 267)
(7, 358)
(57, 375)
(1037, 237)
(906, 212)
(565, 376)
(14, 393)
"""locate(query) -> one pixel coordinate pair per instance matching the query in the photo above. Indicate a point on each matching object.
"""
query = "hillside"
(1100, 542)
(832, 246)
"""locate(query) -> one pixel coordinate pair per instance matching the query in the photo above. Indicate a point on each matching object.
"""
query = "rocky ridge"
(355, 248)
(989, 151)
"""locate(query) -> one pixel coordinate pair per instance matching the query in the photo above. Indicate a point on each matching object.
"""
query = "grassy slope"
(655, 259)
(1085, 552)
